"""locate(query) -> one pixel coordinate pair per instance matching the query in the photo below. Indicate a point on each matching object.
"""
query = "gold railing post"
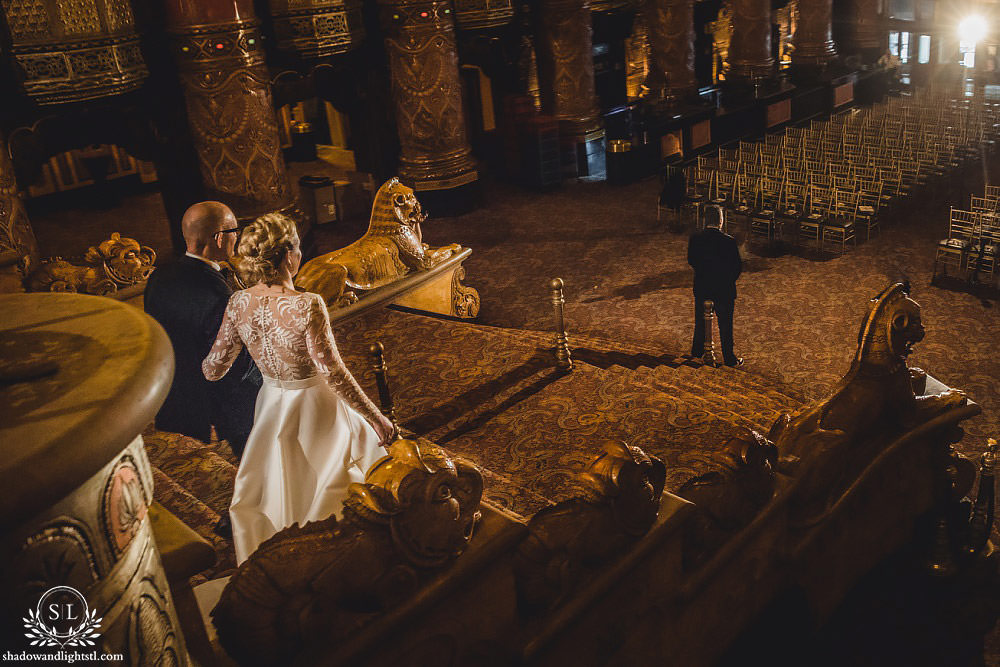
(709, 356)
(382, 382)
(563, 359)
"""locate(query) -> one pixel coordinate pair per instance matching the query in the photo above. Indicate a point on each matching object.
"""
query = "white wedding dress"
(311, 434)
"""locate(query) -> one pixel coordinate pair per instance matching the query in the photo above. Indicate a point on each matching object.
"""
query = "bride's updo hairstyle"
(263, 246)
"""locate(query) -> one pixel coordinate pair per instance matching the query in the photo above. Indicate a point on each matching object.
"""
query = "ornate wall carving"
(566, 65)
(16, 234)
(427, 91)
(750, 46)
(72, 50)
(813, 38)
(233, 123)
(671, 38)
(317, 28)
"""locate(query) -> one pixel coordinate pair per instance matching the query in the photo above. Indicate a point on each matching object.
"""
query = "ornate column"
(77, 534)
(750, 47)
(671, 39)
(427, 91)
(317, 28)
(566, 70)
(813, 37)
(17, 240)
(227, 93)
(864, 31)
(71, 51)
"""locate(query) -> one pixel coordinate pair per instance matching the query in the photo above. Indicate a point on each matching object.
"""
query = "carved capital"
(479, 14)
(317, 28)
(69, 52)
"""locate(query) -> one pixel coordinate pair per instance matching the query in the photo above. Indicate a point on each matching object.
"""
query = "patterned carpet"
(488, 392)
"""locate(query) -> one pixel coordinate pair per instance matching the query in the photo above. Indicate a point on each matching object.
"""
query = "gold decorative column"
(813, 37)
(750, 46)
(566, 70)
(18, 248)
(317, 28)
(227, 93)
(670, 25)
(81, 570)
(72, 50)
(427, 91)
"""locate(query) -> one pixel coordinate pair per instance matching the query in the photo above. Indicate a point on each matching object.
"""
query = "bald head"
(201, 226)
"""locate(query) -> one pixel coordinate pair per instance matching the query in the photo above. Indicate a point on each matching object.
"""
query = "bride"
(315, 431)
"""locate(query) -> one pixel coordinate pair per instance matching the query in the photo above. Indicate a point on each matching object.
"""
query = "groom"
(188, 298)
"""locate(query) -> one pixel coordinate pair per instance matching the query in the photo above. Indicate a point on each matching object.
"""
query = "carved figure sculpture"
(115, 263)
(392, 247)
(823, 443)
(415, 512)
(729, 497)
(619, 502)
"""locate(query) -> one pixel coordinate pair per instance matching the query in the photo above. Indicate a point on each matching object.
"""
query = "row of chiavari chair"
(973, 241)
(833, 177)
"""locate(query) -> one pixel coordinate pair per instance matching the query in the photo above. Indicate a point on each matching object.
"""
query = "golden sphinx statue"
(828, 442)
(391, 248)
(114, 264)
(414, 514)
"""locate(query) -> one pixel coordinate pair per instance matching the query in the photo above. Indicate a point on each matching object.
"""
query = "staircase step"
(195, 466)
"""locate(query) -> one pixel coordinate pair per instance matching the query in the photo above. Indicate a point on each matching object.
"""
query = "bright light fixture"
(972, 29)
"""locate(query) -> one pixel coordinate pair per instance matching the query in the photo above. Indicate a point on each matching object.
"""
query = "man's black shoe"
(735, 363)
(224, 528)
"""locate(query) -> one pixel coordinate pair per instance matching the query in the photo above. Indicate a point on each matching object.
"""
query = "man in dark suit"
(715, 257)
(188, 297)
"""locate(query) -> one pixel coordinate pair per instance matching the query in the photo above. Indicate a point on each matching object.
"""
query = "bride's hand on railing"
(386, 430)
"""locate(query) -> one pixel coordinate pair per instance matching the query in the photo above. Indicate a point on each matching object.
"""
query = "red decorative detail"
(220, 46)
(423, 15)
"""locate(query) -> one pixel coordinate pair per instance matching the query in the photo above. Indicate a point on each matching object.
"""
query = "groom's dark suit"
(188, 298)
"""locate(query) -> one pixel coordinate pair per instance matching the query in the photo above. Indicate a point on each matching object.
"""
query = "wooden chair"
(841, 223)
(951, 252)
(982, 255)
(869, 202)
(816, 213)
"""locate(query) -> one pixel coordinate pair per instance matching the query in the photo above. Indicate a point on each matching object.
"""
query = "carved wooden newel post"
(382, 382)
(427, 91)
(566, 80)
(227, 92)
(671, 40)
(18, 248)
(750, 47)
(813, 38)
(563, 359)
(709, 356)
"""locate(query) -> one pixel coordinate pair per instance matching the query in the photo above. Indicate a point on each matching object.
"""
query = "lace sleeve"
(226, 348)
(323, 352)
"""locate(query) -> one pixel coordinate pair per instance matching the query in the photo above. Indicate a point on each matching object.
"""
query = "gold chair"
(962, 228)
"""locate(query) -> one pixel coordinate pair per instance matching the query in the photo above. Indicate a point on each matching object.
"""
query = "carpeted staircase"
(494, 396)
